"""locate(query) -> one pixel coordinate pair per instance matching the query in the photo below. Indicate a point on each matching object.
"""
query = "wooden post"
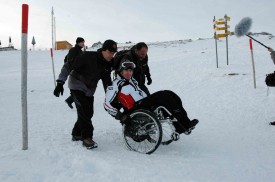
(53, 68)
(53, 29)
(253, 65)
(226, 32)
(24, 69)
(217, 61)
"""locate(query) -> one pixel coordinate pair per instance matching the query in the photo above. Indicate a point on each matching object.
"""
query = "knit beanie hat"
(79, 39)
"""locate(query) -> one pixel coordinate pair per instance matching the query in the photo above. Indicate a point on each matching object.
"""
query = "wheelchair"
(149, 129)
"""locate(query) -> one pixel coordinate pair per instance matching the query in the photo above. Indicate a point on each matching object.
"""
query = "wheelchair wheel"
(144, 133)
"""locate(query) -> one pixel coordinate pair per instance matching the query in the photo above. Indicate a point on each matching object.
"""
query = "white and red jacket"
(126, 92)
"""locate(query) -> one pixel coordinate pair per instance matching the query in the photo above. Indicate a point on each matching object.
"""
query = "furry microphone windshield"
(243, 27)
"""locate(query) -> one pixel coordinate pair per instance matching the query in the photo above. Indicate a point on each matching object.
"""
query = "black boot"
(272, 123)
(187, 128)
(193, 123)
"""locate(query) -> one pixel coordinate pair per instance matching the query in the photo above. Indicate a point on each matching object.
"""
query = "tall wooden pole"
(54, 34)
(24, 66)
(225, 17)
(53, 46)
(52, 29)
(216, 41)
(253, 65)
(53, 68)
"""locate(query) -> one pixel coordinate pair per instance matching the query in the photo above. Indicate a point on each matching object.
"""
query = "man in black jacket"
(138, 55)
(73, 53)
(85, 72)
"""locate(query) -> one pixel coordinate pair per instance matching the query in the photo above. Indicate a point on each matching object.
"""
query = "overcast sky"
(126, 20)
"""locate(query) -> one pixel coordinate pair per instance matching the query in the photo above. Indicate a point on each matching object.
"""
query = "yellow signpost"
(221, 25)
(222, 35)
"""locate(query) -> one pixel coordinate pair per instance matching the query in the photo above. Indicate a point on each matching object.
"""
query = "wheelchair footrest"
(175, 136)
(188, 132)
(167, 142)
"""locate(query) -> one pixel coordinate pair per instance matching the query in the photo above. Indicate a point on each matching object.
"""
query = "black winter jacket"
(73, 53)
(86, 71)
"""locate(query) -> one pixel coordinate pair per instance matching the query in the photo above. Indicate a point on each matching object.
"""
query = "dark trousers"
(70, 99)
(85, 110)
(144, 89)
(171, 102)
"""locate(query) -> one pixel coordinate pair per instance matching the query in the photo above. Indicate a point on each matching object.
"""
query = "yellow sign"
(221, 28)
(227, 18)
(222, 35)
(219, 22)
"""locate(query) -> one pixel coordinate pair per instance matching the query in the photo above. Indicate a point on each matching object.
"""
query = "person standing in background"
(71, 56)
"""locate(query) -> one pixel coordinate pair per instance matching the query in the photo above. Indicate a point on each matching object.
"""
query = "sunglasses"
(112, 49)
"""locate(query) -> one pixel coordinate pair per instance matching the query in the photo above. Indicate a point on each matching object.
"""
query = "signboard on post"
(221, 25)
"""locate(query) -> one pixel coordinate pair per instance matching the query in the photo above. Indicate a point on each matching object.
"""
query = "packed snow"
(232, 142)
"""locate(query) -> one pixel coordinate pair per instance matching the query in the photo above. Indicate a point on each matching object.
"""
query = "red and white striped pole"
(53, 68)
(24, 66)
(253, 65)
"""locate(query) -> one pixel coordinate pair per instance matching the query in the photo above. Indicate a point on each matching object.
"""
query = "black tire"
(144, 134)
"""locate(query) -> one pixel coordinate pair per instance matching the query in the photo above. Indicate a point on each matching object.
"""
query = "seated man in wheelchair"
(125, 93)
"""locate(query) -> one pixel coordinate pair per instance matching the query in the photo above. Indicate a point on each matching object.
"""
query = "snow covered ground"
(232, 142)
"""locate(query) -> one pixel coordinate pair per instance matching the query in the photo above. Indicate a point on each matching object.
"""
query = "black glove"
(124, 118)
(59, 89)
(149, 80)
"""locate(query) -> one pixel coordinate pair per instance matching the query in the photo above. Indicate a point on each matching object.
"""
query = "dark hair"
(109, 45)
(140, 45)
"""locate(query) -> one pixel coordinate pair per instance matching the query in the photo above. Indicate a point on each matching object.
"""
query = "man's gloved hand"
(149, 80)
(59, 89)
(124, 118)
